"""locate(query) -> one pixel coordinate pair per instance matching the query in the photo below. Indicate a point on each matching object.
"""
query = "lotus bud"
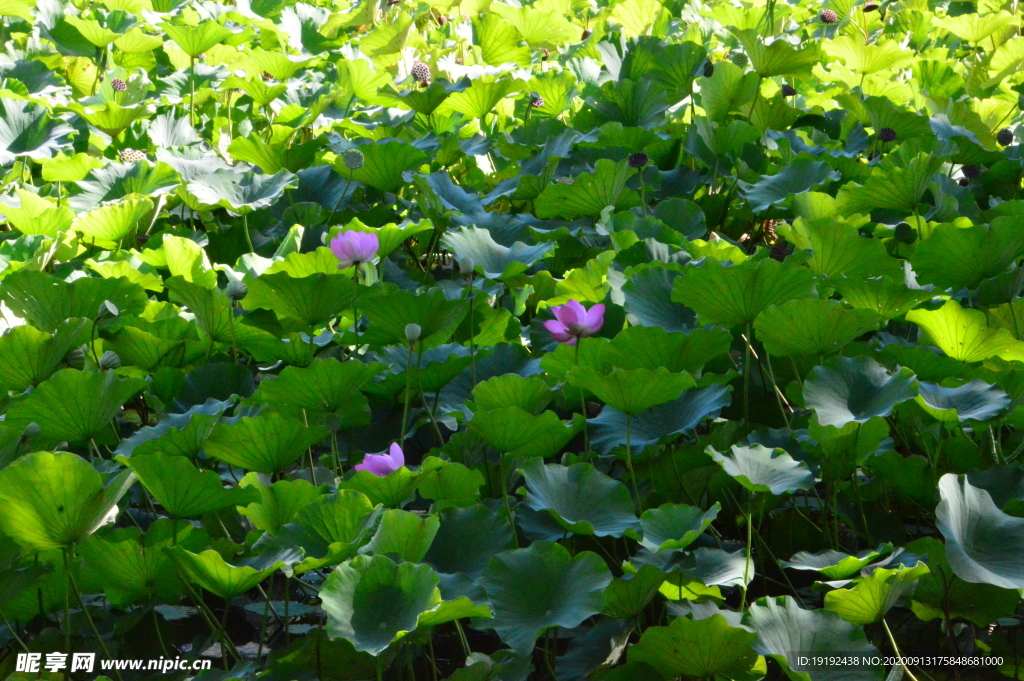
(75, 358)
(32, 430)
(353, 159)
(236, 290)
(107, 310)
(466, 265)
(110, 360)
(412, 332)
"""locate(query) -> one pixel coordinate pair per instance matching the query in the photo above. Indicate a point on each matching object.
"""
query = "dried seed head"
(828, 16)
(442, 20)
(420, 72)
(788, 90)
(971, 171)
(118, 85)
(267, 76)
(638, 160)
(887, 135)
(1005, 137)
(709, 69)
(130, 155)
(964, 182)
(870, 6)
(905, 234)
(586, 33)
(353, 159)
(536, 101)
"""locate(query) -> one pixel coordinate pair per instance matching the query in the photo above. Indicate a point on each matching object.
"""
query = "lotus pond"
(617, 340)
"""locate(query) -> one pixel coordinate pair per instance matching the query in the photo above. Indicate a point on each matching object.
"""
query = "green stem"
(746, 561)
(340, 198)
(67, 603)
(408, 389)
(583, 404)
(629, 461)
(192, 94)
(88, 617)
(643, 193)
(896, 648)
(504, 497)
(746, 379)
(14, 633)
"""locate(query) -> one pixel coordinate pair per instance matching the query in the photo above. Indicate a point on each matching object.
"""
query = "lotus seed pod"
(536, 101)
(709, 69)
(828, 16)
(130, 155)
(788, 90)
(236, 290)
(971, 171)
(905, 234)
(739, 59)
(870, 6)
(353, 159)
(964, 182)
(118, 85)
(420, 72)
(110, 360)
(887, 135)
(638, 160)
(412, 332)
(1005, 137)
(587, 32)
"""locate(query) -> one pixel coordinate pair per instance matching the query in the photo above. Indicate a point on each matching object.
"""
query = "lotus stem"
(408, 388)
(746, 378)
(629, 462)
(746, 561)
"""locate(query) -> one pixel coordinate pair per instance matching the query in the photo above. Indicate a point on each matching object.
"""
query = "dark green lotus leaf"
(627, 596)
(449, 483)
(391, 490)
(266, 444)
(531, 394)
(132, 567)
(403, 534)
(46, 302)
(955, 257)
(467, 540)
(26, 129)
(786, 631)
(761, 469)
(798, 176)
(385, 164)
(330, 529)
(982, 542)
(56, 500)
(976, 400)
(672, 527)
(895, 185)
(836, 564)
(494, 260)
(177, 434)
(941, 593)
(74, 406)
(392, 311)
(437, 367)
(240, 191)
(812, 327)
(427, 100)
(29, 356)
(702, 648)
(649, 299)
(326, 385)
(279, 503)
(632, 391)
(608, 430)
(310, 301)
(589, 193)
(182, 489)
(209, 570)
(874, 595)
(515, 432)
(726, 90)
(838, 250)
(651, 347)
(582, 499)
(856, 389)
(736, 295)
(371, 601)
(543, 586)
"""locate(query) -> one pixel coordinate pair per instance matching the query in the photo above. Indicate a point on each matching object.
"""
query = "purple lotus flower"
(573, 321)
(353, 248)
(383, 465)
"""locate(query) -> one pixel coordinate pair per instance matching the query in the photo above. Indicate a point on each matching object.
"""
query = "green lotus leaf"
(779, 58)
(976, 400)
(812, 327)
(449, 483)
(390, 236)
(648, 296)
(797, 177)
(114, 221)
(632, 391)
(874, 595)
(786, 631)
(330, 529)
(403, 534)
(211, 308)
(956, 257)
(543, 586)
(279, 503)
(391, 490)
(589, 193)
(467, 540)
(531, 394)
(886, 296)
(761, 469)
(392, 311)
(132, 567)
(175, 434)
(372, 602)
(856, 389)
(274, 158)
(582, 499)
(981, 540)
(701, 648)
(673, 527)
(496, 261)
(682, 415)
(111, 117)
(187, 259)
(896, 187)
(539, 26)
(326, 385)
(74, 406)
(427, 100)
(727, 90)
(118, 181)
(310, 301)
(515, 432)
(837, 248)
(651, 347)
(941, 593)
(627, 596)
(36, 215)
(500, 43)
(736, 295)
(964, 334)
(195, 40)
(238, 191)
(29, 356)
(56, 500)
(209, 570)
(479, 99)
(182, 489)
(265, 444)
(26, 129)
(46, 302)
(836, 564)
(384, 165)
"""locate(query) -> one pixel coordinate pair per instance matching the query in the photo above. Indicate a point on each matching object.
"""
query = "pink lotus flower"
(573, 321)
(353, 248)
(383, 465)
